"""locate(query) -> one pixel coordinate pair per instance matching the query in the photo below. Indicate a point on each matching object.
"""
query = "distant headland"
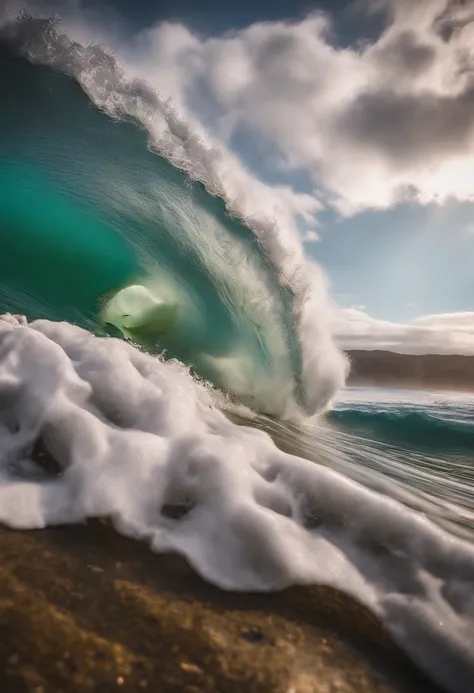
(432, 371)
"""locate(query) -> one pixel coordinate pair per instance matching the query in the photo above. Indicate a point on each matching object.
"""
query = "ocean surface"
(166, 361)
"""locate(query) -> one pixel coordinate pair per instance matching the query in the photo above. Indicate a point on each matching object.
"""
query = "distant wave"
(438, 430)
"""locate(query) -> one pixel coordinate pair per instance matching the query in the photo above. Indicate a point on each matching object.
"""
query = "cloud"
(310, 237)
(448, 333)
(372, 123)
(159, 67)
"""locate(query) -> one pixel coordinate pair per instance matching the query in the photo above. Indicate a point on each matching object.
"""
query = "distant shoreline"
(427, 371)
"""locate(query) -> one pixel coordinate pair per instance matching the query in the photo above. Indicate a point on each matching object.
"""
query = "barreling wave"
(127, 222)
(114, 216)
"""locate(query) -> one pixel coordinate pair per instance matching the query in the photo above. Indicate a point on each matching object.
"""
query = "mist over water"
(113, 218)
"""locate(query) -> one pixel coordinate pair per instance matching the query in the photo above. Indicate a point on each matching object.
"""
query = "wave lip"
(272, 303)
(128, 435)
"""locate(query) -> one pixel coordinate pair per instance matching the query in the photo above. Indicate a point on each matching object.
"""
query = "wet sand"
(84, 609)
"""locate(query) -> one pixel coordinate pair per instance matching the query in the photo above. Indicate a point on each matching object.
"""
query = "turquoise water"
(441, 422)
(422, 443)
(99, 229)
(86, 210)
(412, 445)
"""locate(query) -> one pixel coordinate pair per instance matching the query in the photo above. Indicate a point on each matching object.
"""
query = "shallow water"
(413, 445)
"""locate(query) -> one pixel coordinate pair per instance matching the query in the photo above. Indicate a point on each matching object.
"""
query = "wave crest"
(269, 275)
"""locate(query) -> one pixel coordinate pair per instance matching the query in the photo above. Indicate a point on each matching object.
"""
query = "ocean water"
(420, 444)
(415, 446)
(160, 349)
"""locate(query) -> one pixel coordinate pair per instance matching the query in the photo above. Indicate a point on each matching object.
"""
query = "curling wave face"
(97, 228)
(113, 217)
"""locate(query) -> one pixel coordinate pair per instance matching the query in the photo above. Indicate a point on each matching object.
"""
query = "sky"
(358, 116)
(213, 17)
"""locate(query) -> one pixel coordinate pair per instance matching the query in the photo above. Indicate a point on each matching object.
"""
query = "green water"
(53, 249)
(86, 210)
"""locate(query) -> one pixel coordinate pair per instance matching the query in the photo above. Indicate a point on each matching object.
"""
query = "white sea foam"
(135, 435)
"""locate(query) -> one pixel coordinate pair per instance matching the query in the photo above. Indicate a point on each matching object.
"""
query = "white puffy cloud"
(310, 237)
(449, 333)
(372, 123)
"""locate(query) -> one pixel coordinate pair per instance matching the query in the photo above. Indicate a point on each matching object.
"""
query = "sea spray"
(153, 240)
(254, 314)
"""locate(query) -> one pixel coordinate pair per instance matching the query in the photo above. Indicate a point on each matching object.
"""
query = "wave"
(115, 217)
(413, 427)
(228, 295)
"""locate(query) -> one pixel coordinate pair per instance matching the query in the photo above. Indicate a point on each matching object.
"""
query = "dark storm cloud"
(406, 126)
(383, 120)
(406, 53)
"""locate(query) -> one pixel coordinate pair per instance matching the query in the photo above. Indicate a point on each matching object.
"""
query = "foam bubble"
(92, 427)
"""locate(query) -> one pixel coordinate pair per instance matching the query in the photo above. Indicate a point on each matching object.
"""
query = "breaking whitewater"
(115, 219)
